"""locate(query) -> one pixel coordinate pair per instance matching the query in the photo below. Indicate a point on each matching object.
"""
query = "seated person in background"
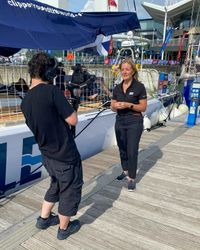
(82, 82)
(19, 88)
(96, 88)
(21, 85)
(105, 90)
(86, 84)
(76, 80)
(78, 76)
(90, 90)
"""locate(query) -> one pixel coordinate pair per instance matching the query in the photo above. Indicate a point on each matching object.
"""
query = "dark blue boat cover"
(30, 24)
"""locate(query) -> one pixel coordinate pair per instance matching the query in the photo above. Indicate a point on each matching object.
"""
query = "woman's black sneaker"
(52, 220)
(131, 186)
(121, 176)
(72, 228)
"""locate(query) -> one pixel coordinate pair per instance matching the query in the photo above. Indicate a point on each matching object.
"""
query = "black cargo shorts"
(66, 185)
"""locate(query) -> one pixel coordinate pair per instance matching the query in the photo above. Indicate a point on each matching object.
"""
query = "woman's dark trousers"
(128, 138)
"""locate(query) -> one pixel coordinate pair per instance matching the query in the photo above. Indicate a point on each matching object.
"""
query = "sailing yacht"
(20, 159)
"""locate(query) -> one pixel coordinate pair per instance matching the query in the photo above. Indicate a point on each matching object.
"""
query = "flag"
(103, 45)
(112, 3)
(103, 48)
(70, 56)
(167, 37)
(180, 46)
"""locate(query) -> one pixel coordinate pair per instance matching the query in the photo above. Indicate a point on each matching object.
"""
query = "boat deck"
(11, 114)
(163, 212)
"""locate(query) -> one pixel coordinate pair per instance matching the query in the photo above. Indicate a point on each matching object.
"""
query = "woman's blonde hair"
(133, 66)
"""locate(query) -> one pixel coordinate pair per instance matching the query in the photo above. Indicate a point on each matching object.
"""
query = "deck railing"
(11, 96)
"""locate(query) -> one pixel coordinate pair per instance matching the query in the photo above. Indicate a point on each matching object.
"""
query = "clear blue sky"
(77, 5)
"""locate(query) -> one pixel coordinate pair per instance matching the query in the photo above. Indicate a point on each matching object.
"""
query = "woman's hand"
(115, 105)
(122, 105)
(140, 107)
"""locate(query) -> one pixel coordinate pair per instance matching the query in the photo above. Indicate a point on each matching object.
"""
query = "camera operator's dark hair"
(40, 64)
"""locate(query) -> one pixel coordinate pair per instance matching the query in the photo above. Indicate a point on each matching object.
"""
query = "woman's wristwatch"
(131, 107)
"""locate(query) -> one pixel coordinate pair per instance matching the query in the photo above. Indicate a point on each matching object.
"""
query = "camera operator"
(49, 116)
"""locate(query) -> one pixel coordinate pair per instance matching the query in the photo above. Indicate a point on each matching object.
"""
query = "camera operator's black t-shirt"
(45, 109)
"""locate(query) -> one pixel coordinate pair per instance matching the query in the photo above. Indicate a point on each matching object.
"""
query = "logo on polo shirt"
(131, 93)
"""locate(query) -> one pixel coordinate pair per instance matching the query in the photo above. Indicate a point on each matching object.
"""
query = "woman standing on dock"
(129, 101)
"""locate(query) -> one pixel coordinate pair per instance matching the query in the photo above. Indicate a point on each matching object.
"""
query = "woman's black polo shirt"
(135, 92)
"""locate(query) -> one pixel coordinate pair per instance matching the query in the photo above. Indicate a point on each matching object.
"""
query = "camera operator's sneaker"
(121, 176)
(52, 220)
(72, 228)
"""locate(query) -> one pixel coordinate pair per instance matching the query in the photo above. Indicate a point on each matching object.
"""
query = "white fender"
(175, 113)
(183, 108)
(146, 123)
(163, 115)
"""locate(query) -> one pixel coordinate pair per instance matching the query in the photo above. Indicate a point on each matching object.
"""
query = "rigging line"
(90, 121)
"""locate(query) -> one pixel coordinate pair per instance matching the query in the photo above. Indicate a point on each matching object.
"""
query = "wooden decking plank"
(19, 236)
(35, 244)
(145, 228)
(174, 158)
(173, 172)
(29, 200)
(4, 224)
(194, 167)
(16, 212)
(98, 237)
(86, 238)
(171, 189)
(117, 225)
(188, 140)
(189, 182)
(181, 149)
(145, 210)
(19, 247)
(156, 199)
(195, 131)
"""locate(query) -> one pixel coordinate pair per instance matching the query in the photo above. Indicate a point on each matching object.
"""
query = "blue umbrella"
(33, 25)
